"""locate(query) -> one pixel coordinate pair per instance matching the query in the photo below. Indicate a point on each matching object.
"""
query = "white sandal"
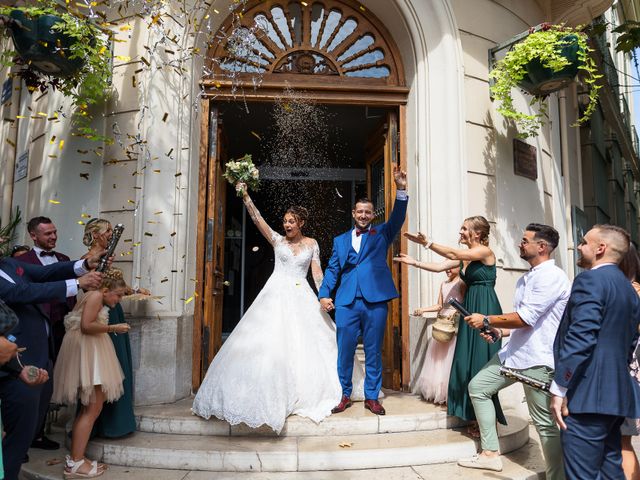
(71, 469)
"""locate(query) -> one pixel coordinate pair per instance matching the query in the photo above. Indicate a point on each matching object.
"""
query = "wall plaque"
(525, 159)
(7, 90)
(22, 165)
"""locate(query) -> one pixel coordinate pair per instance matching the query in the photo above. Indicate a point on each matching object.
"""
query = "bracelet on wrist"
(427, 245)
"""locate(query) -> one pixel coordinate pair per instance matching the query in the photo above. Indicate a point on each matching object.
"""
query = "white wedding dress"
(281, 359)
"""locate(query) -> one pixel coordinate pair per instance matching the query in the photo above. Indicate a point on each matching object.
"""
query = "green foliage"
(91, 44)
(629, 38)
(544, 45)
(8, 233)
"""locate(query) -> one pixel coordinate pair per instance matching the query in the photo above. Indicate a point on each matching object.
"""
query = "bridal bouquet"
(242, 170)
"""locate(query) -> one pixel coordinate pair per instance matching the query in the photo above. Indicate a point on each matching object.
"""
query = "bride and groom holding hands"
(281, 358)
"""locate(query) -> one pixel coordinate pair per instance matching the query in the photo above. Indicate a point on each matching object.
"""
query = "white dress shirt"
(554, 388)
(47, 259)
(356, 240)
(540, 299)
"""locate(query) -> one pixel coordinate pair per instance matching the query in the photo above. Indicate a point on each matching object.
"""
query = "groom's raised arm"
(398, 215)
(399, 212)
(331, 274)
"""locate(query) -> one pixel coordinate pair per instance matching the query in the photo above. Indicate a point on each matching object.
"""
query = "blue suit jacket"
(594, 344)
(33, 285)
(371, 273)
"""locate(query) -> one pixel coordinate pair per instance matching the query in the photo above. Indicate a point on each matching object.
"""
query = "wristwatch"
(486, 323)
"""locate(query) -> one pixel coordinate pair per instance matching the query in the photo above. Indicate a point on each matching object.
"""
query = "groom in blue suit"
(358, 267)
(592, 389)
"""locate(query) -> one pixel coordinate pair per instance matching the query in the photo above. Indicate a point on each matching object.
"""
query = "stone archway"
(428, 43)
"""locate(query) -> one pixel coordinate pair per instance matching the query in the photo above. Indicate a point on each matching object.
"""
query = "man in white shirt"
(539, 302)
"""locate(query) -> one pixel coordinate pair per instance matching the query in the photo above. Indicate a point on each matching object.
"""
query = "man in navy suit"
(592, 389)
(23, 287)
(358, 266)
(44, 234)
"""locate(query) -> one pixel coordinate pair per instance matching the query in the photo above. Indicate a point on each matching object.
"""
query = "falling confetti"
(54, 202)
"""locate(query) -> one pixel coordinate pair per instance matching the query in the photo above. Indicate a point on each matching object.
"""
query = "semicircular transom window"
(336, 38)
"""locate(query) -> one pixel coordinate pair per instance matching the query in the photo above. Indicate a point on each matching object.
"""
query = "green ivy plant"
(91, 44)
(544, 45)
(8, 233)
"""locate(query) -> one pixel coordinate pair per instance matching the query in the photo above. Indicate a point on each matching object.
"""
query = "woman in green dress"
(478, 271)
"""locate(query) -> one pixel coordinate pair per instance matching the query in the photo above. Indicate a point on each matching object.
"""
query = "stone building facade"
(458, 152)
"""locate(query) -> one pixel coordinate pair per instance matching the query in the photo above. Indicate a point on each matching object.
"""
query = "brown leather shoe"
(374, 406)
(343, 405)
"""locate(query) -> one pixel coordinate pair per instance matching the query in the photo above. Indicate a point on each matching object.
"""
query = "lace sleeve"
(316, 268)
(264, 228)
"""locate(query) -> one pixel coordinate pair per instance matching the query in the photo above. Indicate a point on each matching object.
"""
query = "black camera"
(465, 313)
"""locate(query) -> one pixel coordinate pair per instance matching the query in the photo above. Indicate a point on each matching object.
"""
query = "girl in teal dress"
(117, 419)
(478, 271)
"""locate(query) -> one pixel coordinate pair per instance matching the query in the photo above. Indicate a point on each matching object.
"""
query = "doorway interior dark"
(327, 186)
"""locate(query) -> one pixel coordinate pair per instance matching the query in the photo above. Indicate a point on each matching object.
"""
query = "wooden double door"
(227, 276)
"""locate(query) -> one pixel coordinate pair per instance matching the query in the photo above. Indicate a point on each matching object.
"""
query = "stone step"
(291, 454)
(526, 463)
(405, 413)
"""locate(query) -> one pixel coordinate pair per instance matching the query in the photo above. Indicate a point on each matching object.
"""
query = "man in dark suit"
(44, 234)
(23, 287)
(592, 389)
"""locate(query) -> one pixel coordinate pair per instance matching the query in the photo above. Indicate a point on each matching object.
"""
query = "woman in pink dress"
(433, 381)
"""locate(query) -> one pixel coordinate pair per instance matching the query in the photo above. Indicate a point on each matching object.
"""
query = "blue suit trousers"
(369, 320)
(24, 409)
(591, 446)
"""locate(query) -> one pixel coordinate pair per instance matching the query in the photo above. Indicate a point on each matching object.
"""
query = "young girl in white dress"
(87, 368)
(281, 358)
(433, 380)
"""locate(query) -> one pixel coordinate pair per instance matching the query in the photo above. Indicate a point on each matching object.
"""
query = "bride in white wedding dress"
(281, 359)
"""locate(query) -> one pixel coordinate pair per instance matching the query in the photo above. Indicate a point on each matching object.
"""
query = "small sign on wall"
(525, 159)
(22, 165)
(7, 90)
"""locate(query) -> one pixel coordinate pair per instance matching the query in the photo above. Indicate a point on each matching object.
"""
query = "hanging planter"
(63, 50)
(41, 46)
(544, 62)
(540, 80)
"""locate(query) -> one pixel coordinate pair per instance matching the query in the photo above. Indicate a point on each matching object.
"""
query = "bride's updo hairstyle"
(481, 226)
(112, 279)
(301, 214)
(93, 227)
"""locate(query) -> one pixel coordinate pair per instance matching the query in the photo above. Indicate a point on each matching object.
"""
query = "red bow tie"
(366, 230)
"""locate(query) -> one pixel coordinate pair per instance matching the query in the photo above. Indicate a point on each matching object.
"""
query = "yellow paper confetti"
(61, 144)
(54, 202)
(123, 58)
(188, 300)
(80, 222)
(85, 215)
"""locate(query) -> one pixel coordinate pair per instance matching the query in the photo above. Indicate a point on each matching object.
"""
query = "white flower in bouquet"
(244, 171)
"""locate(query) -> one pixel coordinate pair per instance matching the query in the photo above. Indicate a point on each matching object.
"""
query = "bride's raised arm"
(266, 231)
(316, 268)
